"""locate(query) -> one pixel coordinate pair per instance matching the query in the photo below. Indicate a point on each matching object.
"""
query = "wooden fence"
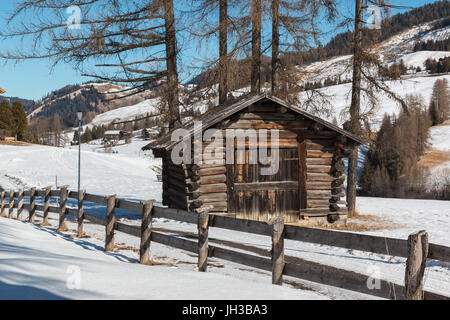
(416, 249)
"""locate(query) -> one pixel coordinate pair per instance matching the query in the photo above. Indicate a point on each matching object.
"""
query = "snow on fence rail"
(416, 249)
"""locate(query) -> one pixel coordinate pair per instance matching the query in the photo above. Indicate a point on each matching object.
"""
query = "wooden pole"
(146, 230)
(46, 206)
(81, 195)
(2, 208)
(415, 265)
(278, 250)
(11, 204)
(32, 212)
(203, 224)
(63, 210)
(20, 204)
(110, 222)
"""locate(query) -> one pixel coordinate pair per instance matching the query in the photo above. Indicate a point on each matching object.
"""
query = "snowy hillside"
(339, 97)
(399, 47)
(101, 173)
(127, 113)
(437, 157)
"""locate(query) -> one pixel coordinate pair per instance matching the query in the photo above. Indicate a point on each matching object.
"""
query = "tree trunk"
(223, 51)
(275, 46)
(355, 125)
(256, 47)
(171, 61)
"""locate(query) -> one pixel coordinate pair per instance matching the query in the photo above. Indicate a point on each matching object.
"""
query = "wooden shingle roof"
(220, 113)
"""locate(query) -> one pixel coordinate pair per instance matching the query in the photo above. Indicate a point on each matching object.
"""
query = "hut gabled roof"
(220, 113)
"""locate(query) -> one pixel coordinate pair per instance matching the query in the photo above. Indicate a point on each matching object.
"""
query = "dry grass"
(14, 143)
(362, 223)
(433, 158)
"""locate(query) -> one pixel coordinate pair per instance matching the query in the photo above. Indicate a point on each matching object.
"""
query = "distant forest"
(87, 101)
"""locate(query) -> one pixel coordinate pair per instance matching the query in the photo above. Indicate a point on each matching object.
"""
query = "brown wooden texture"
(415, 266)
(277, 250)
(32, 210)
(20, 204)
(146, 230)
(63, 209)
(11, 204)
(80, 213)
(46, 206)
(202, 225)
(302, 167)
(2, 205)
(110, 222)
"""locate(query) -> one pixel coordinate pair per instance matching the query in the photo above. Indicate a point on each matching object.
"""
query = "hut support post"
(63, 209)
(80, 217)
(46, 206)
(11, 204)
(2, 208)
(278, 250)
(415, 265)
(203, 226)
(32, 212)
(20, 204)
(110, 222)
(146, 230)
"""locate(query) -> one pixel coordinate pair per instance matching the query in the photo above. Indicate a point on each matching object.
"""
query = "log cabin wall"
(309, 182)
(208, 182)
(174, 184)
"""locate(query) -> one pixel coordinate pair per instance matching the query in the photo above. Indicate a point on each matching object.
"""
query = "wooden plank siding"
(307, 183)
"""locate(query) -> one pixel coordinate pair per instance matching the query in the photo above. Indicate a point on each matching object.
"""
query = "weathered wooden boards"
(110, 222)
(146, 229)
(63, 209)
(278, 250)
(310, 155)
(415, 265)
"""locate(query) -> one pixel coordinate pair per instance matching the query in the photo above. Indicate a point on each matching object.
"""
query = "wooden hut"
(310, 176)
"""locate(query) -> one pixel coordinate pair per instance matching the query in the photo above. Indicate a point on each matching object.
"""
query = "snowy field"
(128, 174)
(340, 98)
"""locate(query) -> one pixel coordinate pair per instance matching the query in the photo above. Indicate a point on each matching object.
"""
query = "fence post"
(203, 225)
(110, 222)
(81, 195)
(146, 230)
(46, 206)
(31, 214)
(415, 265)
(2, 208)
(11, 204)
(62, 209)
(278, 250)
(20, 204)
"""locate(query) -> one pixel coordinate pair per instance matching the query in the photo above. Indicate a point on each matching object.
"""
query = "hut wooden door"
(259, 197)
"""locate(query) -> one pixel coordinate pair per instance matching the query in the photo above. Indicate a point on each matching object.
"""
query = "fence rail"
(416, 249)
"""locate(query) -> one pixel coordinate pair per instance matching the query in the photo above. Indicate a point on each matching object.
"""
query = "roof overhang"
(228, 111)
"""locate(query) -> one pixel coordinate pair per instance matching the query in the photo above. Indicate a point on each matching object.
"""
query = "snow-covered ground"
(128, 174)
(39, 264)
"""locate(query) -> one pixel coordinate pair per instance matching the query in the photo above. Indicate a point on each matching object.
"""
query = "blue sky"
(34, 79)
